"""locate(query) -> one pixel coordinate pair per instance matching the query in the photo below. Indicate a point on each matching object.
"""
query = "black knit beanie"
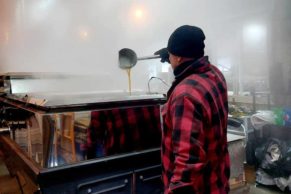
(187, 41)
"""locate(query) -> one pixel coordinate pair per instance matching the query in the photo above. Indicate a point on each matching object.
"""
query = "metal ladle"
(128, 58)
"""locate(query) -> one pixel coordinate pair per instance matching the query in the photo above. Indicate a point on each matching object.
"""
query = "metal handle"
(112, 188)
(89, 190)
(149, 57)
(149, 178)
(153, 77)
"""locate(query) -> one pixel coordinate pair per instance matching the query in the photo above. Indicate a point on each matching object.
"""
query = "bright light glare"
(139, 13)
(254, 34)
(84, 35)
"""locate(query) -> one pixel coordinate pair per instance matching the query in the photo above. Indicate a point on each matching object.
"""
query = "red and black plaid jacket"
(122, 130)
(194, 147)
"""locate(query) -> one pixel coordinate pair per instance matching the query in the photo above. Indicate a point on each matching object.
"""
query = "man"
(195, 157)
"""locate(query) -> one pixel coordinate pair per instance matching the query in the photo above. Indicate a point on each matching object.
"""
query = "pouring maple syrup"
(128, 71)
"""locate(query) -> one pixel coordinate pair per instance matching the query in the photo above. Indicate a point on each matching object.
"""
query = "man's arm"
(188, 142)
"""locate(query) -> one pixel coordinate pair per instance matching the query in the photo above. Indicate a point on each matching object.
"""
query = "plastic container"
(287, 117)
(279, 115)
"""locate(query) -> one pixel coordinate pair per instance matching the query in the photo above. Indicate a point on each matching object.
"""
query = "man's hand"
(163, 54)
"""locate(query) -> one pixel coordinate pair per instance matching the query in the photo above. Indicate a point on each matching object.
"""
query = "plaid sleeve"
(188, 137)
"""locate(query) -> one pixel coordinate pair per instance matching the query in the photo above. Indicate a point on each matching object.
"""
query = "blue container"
(287, 117)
